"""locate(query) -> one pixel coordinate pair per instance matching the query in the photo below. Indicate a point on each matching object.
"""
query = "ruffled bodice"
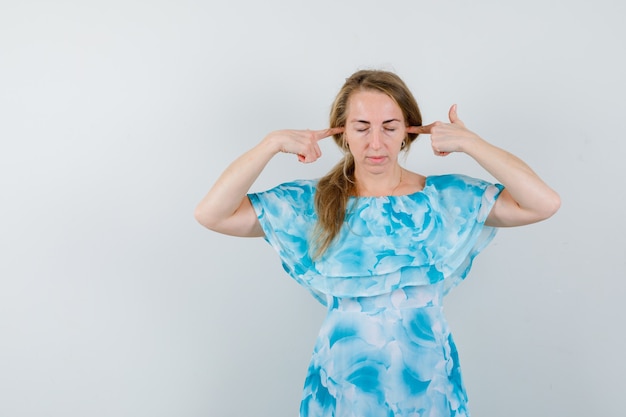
(386, 243)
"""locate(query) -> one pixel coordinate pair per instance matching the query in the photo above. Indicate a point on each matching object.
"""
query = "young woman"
(379, 245)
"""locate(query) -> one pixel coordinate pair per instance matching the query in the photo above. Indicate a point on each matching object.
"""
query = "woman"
(379, 245)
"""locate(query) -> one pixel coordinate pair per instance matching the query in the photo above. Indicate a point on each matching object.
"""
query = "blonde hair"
(334, 189)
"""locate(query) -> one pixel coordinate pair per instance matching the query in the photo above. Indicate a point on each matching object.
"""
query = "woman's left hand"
(446, 137)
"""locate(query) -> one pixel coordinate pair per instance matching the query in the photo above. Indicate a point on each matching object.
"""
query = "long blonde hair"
(334, 189)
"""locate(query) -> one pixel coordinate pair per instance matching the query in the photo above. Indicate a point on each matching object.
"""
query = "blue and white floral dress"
(385, 348)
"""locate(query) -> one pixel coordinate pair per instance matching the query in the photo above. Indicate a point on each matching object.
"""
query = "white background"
(117, 116)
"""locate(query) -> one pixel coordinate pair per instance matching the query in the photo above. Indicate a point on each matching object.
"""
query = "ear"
(345, 146)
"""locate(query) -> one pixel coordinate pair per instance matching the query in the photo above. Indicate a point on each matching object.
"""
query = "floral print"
(384, 348)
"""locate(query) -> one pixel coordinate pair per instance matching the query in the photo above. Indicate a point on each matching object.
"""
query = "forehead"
(372, 106)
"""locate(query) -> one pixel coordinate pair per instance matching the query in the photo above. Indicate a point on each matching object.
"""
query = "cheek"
(353, 138)
(396, 136)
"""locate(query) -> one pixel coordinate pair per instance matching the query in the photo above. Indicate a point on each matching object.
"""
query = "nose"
(376, 139)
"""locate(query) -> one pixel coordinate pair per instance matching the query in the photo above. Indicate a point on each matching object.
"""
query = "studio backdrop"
(117, 116)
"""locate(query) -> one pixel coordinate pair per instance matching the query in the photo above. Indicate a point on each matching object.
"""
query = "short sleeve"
(287, 216)
(464, 203)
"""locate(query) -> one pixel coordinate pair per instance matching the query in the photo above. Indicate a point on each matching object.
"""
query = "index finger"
(420, 129)
(321, 134)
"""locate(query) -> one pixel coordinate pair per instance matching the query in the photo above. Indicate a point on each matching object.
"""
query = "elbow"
(551, 205)
(201, 216)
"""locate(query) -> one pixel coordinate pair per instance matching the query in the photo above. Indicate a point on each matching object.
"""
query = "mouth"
(376, 159)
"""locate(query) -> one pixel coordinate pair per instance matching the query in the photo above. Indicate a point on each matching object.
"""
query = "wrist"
(473, 144)
(270, 145)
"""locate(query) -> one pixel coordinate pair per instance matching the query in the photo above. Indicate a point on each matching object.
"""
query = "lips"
(376, 159)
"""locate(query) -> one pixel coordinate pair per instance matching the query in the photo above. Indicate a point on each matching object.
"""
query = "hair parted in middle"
(336, 187)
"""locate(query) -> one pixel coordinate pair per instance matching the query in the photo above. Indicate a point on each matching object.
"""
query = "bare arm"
(526, 198)
(226, 208)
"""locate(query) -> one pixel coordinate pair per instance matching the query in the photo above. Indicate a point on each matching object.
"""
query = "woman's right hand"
(302, 143)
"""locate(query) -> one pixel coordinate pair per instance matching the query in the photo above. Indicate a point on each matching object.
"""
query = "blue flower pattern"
(385, 348)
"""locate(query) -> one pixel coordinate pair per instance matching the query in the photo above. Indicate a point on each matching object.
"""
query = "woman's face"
(374, 131)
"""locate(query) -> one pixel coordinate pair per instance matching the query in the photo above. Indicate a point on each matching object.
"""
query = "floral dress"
(384, 348)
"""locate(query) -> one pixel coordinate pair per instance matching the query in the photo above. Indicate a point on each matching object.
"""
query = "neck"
(379, 185)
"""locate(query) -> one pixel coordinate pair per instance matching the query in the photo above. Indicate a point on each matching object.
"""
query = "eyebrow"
(367, 122)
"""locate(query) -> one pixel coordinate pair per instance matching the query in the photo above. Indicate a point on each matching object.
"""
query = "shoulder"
(459, 193)
(293, 195)
(456, 181)
(293, 189)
